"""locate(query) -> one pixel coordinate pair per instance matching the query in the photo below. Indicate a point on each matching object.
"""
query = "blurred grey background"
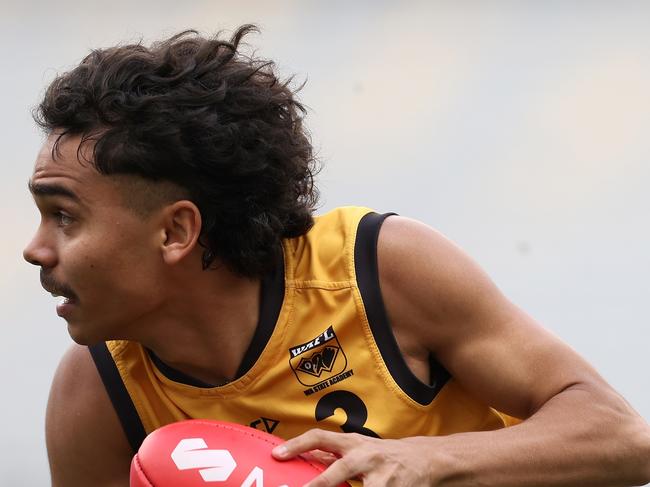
(520, 129)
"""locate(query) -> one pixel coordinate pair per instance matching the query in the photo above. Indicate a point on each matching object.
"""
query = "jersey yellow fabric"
(322, 366)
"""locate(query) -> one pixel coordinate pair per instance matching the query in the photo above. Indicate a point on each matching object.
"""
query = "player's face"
(99, 255)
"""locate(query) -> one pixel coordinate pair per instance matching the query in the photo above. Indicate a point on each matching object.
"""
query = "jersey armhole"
(367, 275)
(119, 396)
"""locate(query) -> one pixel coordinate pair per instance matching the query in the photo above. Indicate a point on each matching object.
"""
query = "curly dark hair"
(198, 112)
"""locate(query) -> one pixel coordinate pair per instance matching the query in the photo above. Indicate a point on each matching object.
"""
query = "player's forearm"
(580, 437)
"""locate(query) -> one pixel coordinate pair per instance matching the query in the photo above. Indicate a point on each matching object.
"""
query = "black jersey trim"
(271, 299)
(119, 396)
(367, 273)
(173, 374)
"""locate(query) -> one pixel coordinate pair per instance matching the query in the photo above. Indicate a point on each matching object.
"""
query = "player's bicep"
(85, 441)
(435, 294)
(514, 365)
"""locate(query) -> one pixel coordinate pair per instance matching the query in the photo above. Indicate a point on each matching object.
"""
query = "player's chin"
(83, 334)
(78, 336)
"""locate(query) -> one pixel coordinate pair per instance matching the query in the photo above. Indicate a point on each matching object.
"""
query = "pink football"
(205, 453)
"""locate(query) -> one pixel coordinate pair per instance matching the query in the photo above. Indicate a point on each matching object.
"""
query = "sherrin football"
(205, 453)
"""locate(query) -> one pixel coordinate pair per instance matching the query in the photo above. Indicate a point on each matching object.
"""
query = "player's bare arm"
(86, 444)
(576, 431)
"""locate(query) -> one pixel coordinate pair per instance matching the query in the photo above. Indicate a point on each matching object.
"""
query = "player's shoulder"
(85, 441)
(416, 263)
(408, 247)
(76, 383)
(325, 252)
(343, 218)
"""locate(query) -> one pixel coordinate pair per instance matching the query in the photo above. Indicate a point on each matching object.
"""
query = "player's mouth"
(68, 299)
(65, 306)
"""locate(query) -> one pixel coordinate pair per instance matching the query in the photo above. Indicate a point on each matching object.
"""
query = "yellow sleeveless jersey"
(323, 356)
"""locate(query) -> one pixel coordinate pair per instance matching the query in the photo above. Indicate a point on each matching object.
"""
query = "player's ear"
(181, 230)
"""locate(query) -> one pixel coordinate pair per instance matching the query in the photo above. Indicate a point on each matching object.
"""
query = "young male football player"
(176, 193)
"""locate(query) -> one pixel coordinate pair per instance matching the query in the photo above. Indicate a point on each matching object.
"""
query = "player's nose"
(39, 253)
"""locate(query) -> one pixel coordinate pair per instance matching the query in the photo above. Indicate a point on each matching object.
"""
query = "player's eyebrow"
(40, 189)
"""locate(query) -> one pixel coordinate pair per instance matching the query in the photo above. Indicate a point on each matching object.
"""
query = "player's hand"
(405, 462)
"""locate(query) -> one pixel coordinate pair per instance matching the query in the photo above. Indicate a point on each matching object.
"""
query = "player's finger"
(340, 471)
(324, 457)
(316, 439)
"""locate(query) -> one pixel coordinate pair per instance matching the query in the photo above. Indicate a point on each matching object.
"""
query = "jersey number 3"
(352, 405)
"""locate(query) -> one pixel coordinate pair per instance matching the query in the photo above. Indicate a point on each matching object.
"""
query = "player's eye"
(63, 219)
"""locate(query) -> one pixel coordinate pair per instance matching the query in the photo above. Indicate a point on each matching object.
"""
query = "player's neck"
(206, 324)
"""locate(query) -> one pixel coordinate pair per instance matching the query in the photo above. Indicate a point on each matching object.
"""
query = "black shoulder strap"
(118, 394)
(367, 273)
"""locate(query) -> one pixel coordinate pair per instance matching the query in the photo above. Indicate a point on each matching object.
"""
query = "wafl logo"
(319, 359)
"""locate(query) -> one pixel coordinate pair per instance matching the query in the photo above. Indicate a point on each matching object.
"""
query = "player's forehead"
(63, 167)
(63, 157)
